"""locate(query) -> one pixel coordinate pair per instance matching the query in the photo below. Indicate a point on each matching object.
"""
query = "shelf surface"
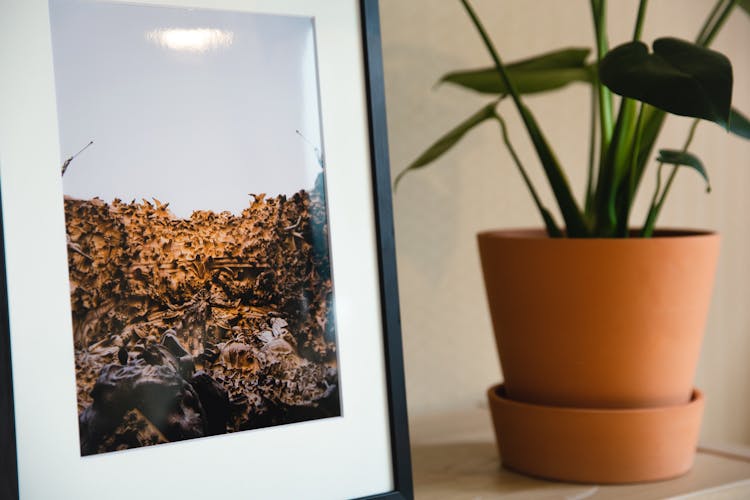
(454, 457)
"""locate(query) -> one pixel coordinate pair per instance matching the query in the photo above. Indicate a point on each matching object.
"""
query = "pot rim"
(496, 394)
(526, 233)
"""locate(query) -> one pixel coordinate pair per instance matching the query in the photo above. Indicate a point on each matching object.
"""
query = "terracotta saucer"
(591, 445)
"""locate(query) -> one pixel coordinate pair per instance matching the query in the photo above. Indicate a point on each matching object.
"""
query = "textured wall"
(450, 354)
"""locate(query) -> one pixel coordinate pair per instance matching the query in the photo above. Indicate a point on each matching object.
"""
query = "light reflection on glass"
(191, 40)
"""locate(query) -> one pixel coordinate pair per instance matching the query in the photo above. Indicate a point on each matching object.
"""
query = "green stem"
(639, 23)
(599, 12)
(715, 21)
(627, 192)
(653, 213)
(614, 169)
(574, 222)
(552, 228)
(710, 20)
(590, 183)
(493, 53)
(633, 171)
(672, 174)
(648, 226)
(722, 18)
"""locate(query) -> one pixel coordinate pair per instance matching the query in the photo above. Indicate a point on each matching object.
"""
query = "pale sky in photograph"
(193, 107)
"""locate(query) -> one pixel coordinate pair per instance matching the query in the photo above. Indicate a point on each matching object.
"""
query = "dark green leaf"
(745, 4)
(449, 140)
(537, 74)
(739, 124)
(552, 230)
(574, 222)
(679, 77)
(683, 158)
(549, 222)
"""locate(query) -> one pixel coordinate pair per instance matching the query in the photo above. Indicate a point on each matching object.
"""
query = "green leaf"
(745, 4)
(574, 222)
(537, 74)
(683, 158)
(739, 124)
(487, 81)
(679, 77)
(449, 140)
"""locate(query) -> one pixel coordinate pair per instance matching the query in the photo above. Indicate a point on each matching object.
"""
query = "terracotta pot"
(599, 323)
(596, 445)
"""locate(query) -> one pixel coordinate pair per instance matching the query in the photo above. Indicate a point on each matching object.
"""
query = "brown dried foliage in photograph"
(201, 326)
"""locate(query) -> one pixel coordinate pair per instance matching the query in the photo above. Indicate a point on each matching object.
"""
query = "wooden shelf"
(454, 457)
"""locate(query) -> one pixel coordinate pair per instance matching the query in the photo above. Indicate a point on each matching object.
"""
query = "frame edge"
(8, 460)
(397, 409)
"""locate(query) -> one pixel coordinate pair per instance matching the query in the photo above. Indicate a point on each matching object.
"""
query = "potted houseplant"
(599, 319)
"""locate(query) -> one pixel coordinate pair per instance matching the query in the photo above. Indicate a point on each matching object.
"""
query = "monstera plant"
(599, 323)
(671, 77)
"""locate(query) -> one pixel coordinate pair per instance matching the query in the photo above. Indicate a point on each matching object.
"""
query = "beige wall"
(450, 354)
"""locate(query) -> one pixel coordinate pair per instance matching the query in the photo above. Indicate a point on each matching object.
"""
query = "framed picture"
(199, 294)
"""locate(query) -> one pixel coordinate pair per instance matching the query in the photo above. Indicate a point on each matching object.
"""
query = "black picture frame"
(8, 464)
(400, 451)
(394, 369)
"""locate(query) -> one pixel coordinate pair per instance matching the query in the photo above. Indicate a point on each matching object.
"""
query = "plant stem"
(639, 22)
(675, 168)
(715, 22)
(633, 171)
(552, 228)
(67, 162)
(493, 53)
(574, 222)
(623, 197)
(590, 182)
(653, 213)
(710, 20)
(648, 226)
(599, 13)
(614, 170)
(626, 190)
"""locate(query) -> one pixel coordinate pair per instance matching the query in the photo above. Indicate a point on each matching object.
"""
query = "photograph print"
(193, 174)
